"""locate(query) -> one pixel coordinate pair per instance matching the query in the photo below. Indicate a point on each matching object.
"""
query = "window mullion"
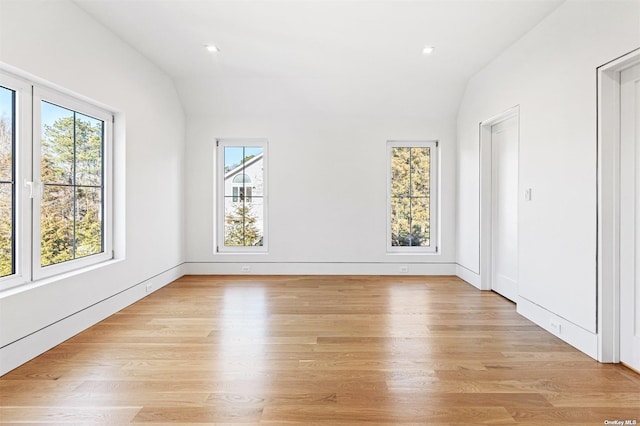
(73, 184)
(242, 199)
(410, 196)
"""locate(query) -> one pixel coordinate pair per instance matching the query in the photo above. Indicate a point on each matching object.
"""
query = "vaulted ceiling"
(356, 57)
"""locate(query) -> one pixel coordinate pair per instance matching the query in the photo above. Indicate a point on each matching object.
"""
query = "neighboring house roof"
(240, 167)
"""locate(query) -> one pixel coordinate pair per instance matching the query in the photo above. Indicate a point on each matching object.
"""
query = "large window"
(55, 182)
(412, 194)
(241, 200)
(72, 175)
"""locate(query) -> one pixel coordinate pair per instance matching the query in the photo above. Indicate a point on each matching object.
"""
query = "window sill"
(409, 253)
(30, 285)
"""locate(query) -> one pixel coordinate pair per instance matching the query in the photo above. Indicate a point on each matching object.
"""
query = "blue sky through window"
(6, 148)
(6, 102)
(51, 113)
(233, 155)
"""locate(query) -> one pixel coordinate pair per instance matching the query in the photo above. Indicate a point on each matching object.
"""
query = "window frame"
(29, 92)
(434, 195)
(21, 174)
(41, 94)
(219, 196)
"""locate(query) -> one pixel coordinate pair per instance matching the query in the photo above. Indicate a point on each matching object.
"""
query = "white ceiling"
(356, 57)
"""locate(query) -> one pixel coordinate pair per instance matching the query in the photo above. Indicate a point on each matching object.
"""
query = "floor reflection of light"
(408, 346)
(243, 337)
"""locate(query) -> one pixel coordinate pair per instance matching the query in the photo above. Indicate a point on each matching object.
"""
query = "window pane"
(56, 224)
(88, 221)
(419, 222)
(400, 171)
(250, 175)
(420, 163)
(6, 230)
(89, 139)
(243, 223)
(232, 157)
(233, 222)
(6, 134)
(254, 222)
(57, 144)
(72, 171)
(7, 214)
(410, 222)
(400, 221)
(255, 171)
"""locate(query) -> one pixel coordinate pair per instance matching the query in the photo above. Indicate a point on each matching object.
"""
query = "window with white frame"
(241, 195)
(55, 182)
(412, 196)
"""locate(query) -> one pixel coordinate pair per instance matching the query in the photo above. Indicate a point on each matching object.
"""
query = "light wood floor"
(318, 351)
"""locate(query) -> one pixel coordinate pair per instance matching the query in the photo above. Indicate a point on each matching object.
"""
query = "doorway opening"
(619, 210)
(499, 146)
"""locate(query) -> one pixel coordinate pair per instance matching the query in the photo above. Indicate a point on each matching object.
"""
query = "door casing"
(486, 230)
(608, 249)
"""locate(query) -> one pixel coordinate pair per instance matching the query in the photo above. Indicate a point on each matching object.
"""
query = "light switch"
(527, 194)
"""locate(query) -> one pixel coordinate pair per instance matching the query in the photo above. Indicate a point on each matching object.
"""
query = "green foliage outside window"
(71, 167)
(410, 196)
(6, 197)
(240, 226)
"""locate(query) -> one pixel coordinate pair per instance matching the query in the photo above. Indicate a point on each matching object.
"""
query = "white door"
(630, 217)
(504, 208)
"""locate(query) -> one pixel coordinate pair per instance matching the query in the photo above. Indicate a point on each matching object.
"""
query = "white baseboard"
(574, 335)
(17, 353)
(468, 275)
(320, 268)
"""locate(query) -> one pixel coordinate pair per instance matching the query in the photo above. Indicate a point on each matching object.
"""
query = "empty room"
(320, 212)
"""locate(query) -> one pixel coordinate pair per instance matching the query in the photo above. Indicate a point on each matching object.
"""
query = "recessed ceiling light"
(428, 50)
(211, 47)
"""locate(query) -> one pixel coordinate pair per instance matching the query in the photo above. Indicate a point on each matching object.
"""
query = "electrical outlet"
(148, 287)
(555, 326)
(246, 268)
(404, 269)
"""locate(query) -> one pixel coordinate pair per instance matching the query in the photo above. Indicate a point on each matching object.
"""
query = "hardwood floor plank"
(582, 415)
(68, 414)
(588, 398)
(181, 415)
(327, 350)
(413, 413)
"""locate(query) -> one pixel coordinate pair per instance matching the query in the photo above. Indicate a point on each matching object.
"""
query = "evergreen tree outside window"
(55, 182)
(71, 212)
(412, 195)
(241, 213)
(72, 225)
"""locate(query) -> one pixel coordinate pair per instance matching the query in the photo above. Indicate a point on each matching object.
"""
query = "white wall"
(56, 41)
(327, 191)
(551, 74)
